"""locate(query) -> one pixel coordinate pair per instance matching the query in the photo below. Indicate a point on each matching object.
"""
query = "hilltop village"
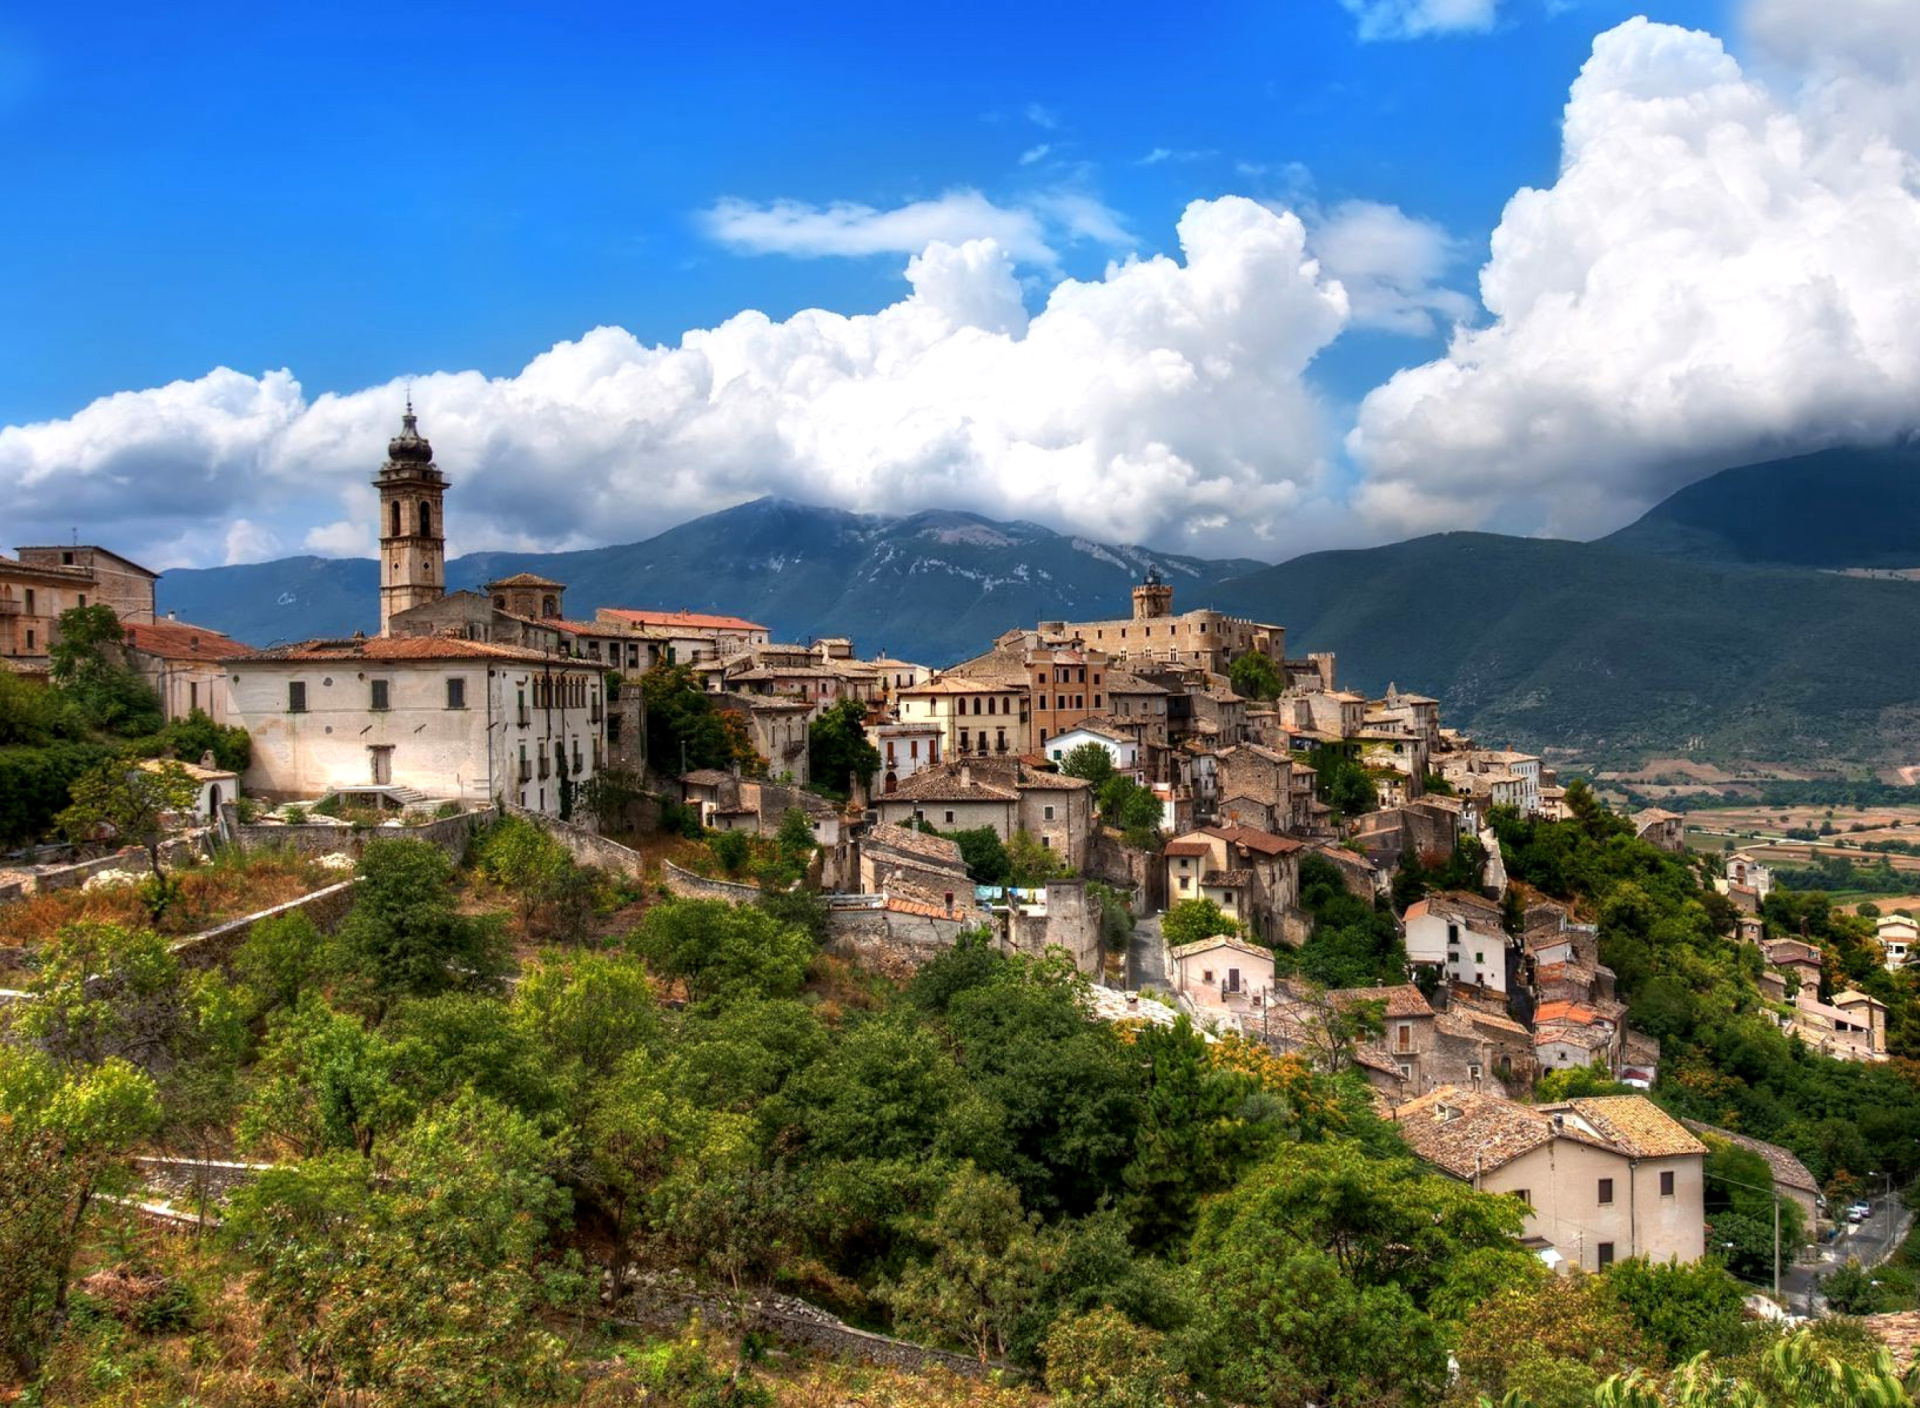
(1219, 839)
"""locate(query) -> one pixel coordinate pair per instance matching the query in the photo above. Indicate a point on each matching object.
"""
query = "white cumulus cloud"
(1028, 230)
(1723, 271)
(1391, 264)
(1165, 402)
(1416, 19)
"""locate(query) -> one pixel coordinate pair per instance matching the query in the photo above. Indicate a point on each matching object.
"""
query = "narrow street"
(1144, 967)
(1870, 1243)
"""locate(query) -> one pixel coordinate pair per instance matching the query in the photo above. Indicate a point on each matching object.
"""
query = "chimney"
(966, 775)
(173, 615)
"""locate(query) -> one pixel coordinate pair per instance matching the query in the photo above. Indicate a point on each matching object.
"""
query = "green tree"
(1103, 1360)
(983, 1271)
(404, 936)
(837, 747)
(62, 1132)
(324, 1083)
(132, 802)
(723, 951)
(1090, 761)
(552, 896)
(1681, 1309)
(1190, 921)
(1341, 782)
(588, 1012)
(1576, 1082)
(732, 850)
(282, 959)
(1131, 809)
(1354, 943)
(1331, 1275)
(984, 854)
(684, 727)
(411, 1279)
(1739, 1203)
(85, 663)
(1254, 676)
(194, 737)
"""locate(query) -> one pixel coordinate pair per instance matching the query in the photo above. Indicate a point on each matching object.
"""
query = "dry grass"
(210, 894)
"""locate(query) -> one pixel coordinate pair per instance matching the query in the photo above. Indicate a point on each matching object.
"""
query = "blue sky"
(361, 191)
(456, 195)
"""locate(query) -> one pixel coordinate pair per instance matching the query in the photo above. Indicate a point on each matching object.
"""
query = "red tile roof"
(411, 648)
(1263, 841)
(690, 620)
(176, 640)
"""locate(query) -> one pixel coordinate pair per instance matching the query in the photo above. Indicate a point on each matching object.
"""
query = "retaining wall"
(452, 834)
(216, 946)
(586, 847)
(689, 886)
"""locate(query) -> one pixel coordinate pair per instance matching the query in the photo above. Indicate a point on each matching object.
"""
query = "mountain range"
(1720, 625)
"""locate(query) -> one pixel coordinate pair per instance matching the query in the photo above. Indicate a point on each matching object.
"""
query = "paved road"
(1871, 1243)
(1144, 968)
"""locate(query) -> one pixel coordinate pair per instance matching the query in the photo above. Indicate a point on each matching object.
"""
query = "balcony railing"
(543, 765)
(526, 770)
(10, 607)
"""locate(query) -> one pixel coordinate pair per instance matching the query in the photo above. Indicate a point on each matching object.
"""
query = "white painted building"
(1462, 935)
(1124, 751)
(449, 718)
(904, 749)
(1898, 936)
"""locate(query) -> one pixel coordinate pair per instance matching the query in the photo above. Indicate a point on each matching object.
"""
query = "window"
(1186, 882)
(949, 818)
(1605, 1251)
(1046, 844)
(426, 520)
(296, 696)
(66, 559)
(1043, 701)
(456, 694)
(30, 610)
(1666, 1184)
(396, 519)
(1606, 1191)
(1048, 813)
(1525, 1195)
(1403, 1037)
(380, 694)
(29, 640)
(83, 598)
(1453, 933)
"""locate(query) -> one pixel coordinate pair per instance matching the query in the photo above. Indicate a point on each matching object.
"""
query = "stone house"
(1462, 936)
(778, 729)
(890, 857)
(1569, 1035)
(448, 718)
(1664, 829)
(1747, 882)
(185, 665)
(216, 786)
(40, 583)
(1603, 1179)
(1413, 713)
(1332, 714)
(1255, 787)
(1852, 1027)
(1254, 876)
(1006, 797)
(1133, 700)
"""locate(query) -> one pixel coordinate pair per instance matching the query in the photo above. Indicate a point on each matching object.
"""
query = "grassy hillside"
(1837, 508)
(1590, 648)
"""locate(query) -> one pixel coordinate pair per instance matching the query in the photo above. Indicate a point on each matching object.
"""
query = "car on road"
(1859, 1212)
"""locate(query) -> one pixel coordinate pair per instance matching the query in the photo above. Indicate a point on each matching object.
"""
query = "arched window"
(426, 520)
(396, 518)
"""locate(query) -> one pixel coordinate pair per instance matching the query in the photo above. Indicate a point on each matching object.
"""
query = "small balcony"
(526, 770)
(10, 607)
(544, 765)
(526, 716)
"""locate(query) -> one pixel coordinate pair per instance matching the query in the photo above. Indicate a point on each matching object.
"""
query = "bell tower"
(412, 533)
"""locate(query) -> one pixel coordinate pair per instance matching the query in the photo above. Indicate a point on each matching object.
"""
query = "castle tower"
(412, 533)
(1152, 597)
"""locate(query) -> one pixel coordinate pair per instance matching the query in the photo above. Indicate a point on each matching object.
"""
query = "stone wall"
(67, 877)
(689, 886)
(1124, 868)
(453, 834)
(657, 1309)
(890, 940)
(586, 847)
(216, 946)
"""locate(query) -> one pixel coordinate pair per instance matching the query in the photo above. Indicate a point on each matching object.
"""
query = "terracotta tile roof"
(1188, 848)
(1121, 682)
(524, 579)
(1041, 780)
(681, 620)
(1265, 842)
(176, 640)
(1899, 1331)
(1788, 1171)
(1791, 951)
(1493, 1021)
(1402, 999)
(939, 785)
(1637, 1125)
(705, 777)
(1459, 904)
(1466, 1133)
(927, 910)
(910, 841)
(1575, 1012)
(961, 684)
(404, 648)
(1587, 1038)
